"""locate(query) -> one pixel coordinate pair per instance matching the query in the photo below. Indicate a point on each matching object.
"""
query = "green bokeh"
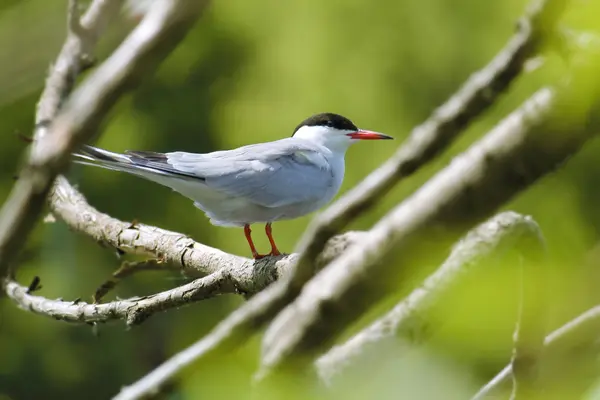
(249, 72)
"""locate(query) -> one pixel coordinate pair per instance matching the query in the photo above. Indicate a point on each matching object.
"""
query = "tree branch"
(195, 259)
(133, 311)
(240, 275)
(127, 269)
(148, 44)
(409, 319)
(529, 143)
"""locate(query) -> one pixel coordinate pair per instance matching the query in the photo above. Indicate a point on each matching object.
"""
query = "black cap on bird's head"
(330, 124)
(329, 120)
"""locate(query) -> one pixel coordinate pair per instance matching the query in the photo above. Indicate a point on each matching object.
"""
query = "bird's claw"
(273, 253)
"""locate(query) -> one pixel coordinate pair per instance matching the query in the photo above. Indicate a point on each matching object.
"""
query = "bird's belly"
(238, 212)
(226, 210)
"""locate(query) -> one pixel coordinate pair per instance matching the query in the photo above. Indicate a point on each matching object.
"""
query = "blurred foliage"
(249, 72)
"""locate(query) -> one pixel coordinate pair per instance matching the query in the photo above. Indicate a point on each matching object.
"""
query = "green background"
(250, 71)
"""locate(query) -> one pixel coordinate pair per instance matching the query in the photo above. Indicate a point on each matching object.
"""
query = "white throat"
(335, 140)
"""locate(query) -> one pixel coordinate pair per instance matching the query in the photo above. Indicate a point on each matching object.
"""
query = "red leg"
(248, 233)
(269, 232)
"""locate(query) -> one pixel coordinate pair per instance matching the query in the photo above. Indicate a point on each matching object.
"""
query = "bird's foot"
(273, 253)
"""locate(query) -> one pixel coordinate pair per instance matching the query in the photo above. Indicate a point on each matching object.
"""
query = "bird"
(257, 183)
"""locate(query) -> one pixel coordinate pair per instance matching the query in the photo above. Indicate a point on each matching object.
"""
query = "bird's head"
(333, 131)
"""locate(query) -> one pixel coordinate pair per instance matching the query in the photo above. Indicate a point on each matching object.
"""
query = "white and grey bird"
(258, 183)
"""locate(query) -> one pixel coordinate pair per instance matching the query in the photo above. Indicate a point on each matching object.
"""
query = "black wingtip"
(147, 155)
(94, 152)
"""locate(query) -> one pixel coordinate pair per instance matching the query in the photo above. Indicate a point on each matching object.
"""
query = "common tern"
(257, 183)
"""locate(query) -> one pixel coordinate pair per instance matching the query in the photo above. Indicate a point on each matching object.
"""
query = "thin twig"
(129, 268)
(577, 333)
(530, 329)
(134, 311)
(409, 319)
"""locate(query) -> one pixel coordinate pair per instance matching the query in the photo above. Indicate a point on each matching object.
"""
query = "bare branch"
(408, 320)
(247, 278)
(133, 311)
(438, 132)
(236, 275)
(195, 259)
(129, 268)
(138, 55)
(529, 143)
(578, 333)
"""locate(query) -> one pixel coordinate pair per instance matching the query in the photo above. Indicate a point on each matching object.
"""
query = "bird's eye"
(329, 124)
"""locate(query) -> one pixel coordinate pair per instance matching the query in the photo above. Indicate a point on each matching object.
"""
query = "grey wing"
(287, 180)
(157, 162)
(135, 162)
(276, 177)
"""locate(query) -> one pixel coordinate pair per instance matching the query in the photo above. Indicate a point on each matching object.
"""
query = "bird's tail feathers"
(90, 155)
(130, 162)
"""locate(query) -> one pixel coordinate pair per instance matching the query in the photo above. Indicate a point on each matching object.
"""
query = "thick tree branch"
(164, 25)
(437, 133)
(577, 333)
(195, 259)
(531, 142)
(409, 319)
(240, 275)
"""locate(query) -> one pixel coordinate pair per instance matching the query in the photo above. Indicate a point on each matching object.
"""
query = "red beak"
(368, 135)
